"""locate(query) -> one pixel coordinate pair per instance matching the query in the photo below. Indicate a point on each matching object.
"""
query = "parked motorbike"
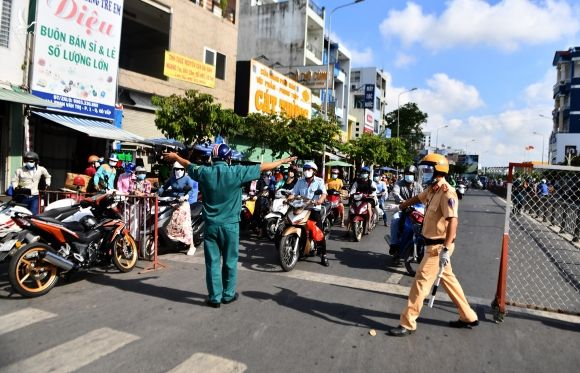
(301, 235)
(64, 247)
(274, 219)
(9, 230)
(412, 240)
(360, 214)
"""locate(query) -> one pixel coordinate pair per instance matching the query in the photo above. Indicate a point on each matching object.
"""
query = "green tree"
(399, 154)
(369, 149)
(194, 118)
(410, 120)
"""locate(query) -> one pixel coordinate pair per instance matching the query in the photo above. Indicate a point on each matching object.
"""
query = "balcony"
(561, 88)
(316, 9)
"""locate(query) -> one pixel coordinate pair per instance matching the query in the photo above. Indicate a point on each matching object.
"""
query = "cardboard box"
(70, 178)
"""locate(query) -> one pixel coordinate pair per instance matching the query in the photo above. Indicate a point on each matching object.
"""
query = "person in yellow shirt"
(337, 184)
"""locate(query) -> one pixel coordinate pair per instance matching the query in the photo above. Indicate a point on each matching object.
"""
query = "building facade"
(369, 98)
(565, 136)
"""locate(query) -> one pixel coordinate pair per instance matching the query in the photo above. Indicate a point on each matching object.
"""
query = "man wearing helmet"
(27, 178)
(307, 186)
(402, 190)
(221, 187)
(104, 179)
(439, 230)
(365, 185)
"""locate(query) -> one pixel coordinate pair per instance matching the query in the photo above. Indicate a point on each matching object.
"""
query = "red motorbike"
(334, 200)
(63, 247)
(361, 216)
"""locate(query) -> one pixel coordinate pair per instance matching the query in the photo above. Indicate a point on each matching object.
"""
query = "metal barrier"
(540, 258)
(140, 214)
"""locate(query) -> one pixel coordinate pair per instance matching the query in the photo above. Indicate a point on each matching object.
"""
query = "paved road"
(311, 319)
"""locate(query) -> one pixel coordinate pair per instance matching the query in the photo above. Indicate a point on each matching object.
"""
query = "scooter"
(362, 217)
(274, 219)
(334, 199)
(301, 235)
(412, 240)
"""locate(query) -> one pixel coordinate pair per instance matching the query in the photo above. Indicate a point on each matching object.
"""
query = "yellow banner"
(189, 70)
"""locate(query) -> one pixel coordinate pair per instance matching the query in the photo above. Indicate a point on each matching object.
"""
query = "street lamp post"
(328, 55)
(543, 141)
(437, 137)
(399, 106)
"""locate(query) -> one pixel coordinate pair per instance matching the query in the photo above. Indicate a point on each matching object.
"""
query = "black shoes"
(212, 304)
(235, 298)
(399, 331)
(324, 261)
(394, 249)
(463, 324)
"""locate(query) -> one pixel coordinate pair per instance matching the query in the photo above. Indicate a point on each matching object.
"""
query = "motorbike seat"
(72, 225)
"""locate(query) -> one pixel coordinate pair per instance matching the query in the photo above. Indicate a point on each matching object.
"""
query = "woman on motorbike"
(290, 178)
(182, 186)
(337, 184)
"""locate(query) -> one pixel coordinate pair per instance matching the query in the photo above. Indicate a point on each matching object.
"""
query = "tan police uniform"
(441, 203)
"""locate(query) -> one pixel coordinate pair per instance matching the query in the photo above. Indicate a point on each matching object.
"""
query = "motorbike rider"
(104, 179)
(179, 227)
(402, 191)
(291, 176)
(365, 185)
(28, 177)
(124, 181)
(139, 185)
(267, 181)
(93, 164)
(382, 194)
(307, 187)
(337, 184)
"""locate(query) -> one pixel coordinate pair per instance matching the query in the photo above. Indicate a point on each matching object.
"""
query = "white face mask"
(334, 176)
(364, 176)
(29, 165)
(179, 173)
(377, 178)
(112, 163)
(308, 174)
(409, 178)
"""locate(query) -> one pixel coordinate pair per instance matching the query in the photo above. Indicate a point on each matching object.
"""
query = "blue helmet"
(365, 169)
(221, 151)
(130, 167)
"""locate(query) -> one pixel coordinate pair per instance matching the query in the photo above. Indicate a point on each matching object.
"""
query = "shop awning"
(92, 127)
(15, 94)
(338, 164)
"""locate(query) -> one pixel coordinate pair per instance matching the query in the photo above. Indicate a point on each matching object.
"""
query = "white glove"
(444, 257)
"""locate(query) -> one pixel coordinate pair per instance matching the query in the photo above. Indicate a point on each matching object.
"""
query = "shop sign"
(369, 121)
(76, 54)
(272, 92)
(369, 96)
(189, 70)
(313, 77)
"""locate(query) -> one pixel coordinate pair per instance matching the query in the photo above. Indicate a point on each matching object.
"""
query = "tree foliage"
(368, 149)
(410, 120)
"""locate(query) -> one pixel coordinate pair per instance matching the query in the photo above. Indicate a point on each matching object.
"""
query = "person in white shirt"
(26, 180)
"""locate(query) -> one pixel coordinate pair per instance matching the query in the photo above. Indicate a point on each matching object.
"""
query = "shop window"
(6, 13)
(144, 37)
(218, 60)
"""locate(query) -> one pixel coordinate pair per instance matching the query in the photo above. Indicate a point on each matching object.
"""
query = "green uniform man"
(221, 188)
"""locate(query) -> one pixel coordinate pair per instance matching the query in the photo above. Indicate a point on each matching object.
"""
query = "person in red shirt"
(93, 164)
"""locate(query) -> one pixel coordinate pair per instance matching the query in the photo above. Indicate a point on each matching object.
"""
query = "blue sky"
(482, 67)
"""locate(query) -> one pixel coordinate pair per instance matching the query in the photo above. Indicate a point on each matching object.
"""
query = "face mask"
(334, 176)
(409, 178)
(112, 164)
(290, 174)
(308, 174)
(97, 164)
(141, 176)
(377, 178)
(179, 173)
(364, 176)
(29, 165)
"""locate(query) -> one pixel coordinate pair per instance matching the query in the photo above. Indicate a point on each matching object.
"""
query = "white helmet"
(310, 165)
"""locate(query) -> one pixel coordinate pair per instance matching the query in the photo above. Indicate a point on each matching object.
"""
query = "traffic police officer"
(221, 187)
(439, 230)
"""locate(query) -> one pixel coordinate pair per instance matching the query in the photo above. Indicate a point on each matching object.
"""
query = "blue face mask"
(141, 176)
(30, 165)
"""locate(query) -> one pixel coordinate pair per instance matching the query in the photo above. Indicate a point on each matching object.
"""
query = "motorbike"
(60, 248)
(274, 219)
(248, 208)
(360, 214)
(334, 199)
(300, 236)
(412, 240)
(461, 189)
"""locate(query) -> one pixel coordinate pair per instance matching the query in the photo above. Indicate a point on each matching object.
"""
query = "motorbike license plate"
(6, 246)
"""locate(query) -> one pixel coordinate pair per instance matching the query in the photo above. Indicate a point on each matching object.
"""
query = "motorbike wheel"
(124, 253)
(148, 250)
(357, 230)
(271, 226)
(29, 275)
(288, 255)
(411, 258)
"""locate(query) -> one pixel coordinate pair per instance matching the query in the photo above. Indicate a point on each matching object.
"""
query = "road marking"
(75, 354)
(380, 287)
(206, 363)
(19, 319)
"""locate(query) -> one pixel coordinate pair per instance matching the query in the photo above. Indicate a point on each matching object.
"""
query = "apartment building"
(565, 136)
(369, 100)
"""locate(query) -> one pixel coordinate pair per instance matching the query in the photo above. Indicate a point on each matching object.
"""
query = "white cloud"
(404, 60)
(540, 93)
(505, 25)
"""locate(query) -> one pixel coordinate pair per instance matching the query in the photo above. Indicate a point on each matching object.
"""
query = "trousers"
(218, 241)
(424, 279)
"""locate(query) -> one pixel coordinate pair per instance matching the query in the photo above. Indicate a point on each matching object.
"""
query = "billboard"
(313, 77)
(260, 89)
(369, 121)
(188, 70)
(76, 54)
(369, 102)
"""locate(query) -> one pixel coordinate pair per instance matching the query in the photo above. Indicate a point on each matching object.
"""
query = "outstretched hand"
(169, 157)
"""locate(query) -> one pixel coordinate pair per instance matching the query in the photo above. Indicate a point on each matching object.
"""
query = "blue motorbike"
(412, 241)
